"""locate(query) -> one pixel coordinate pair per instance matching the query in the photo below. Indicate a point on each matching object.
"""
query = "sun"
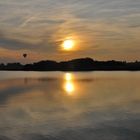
(68, 44)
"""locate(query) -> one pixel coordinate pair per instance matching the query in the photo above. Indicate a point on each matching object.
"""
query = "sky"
(101, 29)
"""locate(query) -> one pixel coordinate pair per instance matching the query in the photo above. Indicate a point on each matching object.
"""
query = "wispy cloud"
(42, 25)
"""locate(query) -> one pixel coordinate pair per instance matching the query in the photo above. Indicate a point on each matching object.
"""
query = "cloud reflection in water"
(39, 107)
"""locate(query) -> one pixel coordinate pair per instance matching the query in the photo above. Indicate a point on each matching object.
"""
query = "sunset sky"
(101, 29)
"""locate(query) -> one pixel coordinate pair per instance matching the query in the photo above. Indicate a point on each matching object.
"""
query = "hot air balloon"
(24, 55)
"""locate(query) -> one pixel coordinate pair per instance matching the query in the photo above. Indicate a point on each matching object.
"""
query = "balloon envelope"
(25, 55)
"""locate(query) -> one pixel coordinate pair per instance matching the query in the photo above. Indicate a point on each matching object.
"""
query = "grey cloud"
(10, 43)
(45, 44)
(134, 26)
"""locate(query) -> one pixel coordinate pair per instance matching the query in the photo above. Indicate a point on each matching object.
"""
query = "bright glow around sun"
(68, 44)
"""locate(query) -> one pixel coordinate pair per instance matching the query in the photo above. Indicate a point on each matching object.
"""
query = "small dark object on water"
(24, 55)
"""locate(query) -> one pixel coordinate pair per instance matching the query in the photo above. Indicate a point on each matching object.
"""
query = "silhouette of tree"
(81, 64)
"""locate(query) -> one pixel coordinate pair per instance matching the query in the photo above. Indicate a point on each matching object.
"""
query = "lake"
(69, 106)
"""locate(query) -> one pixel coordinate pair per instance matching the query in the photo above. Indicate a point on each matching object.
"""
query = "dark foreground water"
(69, 106)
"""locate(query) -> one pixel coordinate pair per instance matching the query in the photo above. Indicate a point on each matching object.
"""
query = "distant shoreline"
(75, 65)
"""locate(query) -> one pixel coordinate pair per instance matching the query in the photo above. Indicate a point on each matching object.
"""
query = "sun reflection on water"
(69, 86)
(68, 76)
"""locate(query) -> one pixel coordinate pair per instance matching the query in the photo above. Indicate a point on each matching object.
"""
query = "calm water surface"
(69, 106)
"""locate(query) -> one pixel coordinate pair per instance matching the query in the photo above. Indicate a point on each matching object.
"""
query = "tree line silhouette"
(81, 64)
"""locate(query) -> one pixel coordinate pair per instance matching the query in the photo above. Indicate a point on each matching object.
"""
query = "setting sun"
(68, 44)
